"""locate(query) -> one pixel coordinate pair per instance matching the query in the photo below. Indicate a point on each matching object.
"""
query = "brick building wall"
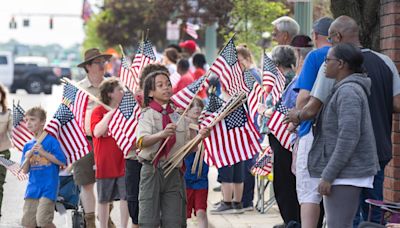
(390, 46)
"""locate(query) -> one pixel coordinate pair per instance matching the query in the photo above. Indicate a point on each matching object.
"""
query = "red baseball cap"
(189, 45)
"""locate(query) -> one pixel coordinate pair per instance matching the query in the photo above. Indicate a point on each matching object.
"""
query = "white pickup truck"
(6, 69)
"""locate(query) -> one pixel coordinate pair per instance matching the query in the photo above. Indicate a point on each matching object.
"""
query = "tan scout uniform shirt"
(5, 129)
(150, 122)
(85, 84)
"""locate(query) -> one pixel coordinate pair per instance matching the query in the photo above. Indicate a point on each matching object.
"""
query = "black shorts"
(231, 174)
(132, 178)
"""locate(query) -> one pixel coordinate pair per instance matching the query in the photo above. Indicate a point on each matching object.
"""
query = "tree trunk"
(366, 14)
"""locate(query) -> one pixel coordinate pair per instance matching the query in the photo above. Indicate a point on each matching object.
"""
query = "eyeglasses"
(100, 63)
(330, 38)
(329, 59)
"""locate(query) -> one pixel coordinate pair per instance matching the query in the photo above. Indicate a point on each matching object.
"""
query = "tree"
(366, 14)
(124, 21)
(92, 38)
(250, 18)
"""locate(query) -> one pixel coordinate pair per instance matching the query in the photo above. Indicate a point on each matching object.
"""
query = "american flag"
(191, 30)
(273, 79)
(72, 138)
(144, 56)
(13, 167)
(122, 126)
(256, 94)
(231, 140)
(213, 108)
(76, 100)
(227, 68)
(278, 128)
(20, 135)
(86, 11)
(127, 76)
(183, 97)
(263, 165)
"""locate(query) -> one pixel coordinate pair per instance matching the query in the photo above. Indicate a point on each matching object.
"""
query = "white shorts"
(306, 186)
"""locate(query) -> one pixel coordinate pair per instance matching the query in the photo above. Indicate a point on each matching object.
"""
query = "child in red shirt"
(109, 159)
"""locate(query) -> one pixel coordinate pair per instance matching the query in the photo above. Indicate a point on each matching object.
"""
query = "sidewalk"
(14, 200)
(251, 219)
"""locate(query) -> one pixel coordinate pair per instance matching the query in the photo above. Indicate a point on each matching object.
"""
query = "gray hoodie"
(344, 144)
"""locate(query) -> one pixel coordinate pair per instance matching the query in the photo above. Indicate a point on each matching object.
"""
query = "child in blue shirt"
(43, 164)
(196, 187)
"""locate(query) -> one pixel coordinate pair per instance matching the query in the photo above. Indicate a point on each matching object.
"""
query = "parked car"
(6, 69)
(30, 75)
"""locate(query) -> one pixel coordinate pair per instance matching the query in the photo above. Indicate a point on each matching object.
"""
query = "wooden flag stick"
(147, 33)
(174, 160)
(91, 96)
(180, 118)
(39, 141)
(195, 161)
(142, 36)
(202, 153)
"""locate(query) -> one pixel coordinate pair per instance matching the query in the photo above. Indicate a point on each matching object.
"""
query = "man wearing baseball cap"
(188, 46)
(84, 173)
(307, 194)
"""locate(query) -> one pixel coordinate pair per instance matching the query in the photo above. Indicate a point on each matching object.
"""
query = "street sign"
(173, 30)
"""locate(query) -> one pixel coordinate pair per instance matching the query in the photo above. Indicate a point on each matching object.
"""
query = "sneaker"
(223, 208)
(215, 205)
(248, 207)
(217, 189)
(279, 226)
(237, 207)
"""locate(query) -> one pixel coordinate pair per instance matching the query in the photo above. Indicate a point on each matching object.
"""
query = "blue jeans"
(249, 183)
(367, 193)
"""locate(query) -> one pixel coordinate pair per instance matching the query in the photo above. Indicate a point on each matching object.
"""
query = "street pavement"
(14, 189)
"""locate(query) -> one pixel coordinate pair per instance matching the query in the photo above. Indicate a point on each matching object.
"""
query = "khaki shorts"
(38, 212)
(84, 172)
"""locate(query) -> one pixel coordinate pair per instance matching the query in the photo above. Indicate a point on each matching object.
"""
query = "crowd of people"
(341, 98)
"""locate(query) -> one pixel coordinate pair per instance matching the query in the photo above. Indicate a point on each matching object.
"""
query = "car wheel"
(13, 89)
(48, 90)
(34, 86)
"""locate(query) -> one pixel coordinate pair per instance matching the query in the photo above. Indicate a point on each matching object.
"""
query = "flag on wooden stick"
(124, 121)
(71, 136)
(20, 134)
(228, 69)
(13, 167)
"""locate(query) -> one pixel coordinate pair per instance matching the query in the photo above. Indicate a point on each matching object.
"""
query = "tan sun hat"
(91, 54)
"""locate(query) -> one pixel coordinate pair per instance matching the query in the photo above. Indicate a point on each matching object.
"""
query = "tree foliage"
(366, 14)
(125, 21)
(250, 18)
(92, 39)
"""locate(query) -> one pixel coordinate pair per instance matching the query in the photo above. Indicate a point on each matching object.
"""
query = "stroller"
(68, 199)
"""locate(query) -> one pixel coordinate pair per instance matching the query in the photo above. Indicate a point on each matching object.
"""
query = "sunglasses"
(330, 37)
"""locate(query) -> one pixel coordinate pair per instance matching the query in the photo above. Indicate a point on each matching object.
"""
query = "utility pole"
(303, 14)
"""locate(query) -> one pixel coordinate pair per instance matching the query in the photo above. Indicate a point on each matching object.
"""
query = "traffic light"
(25, 22)
(13, 23)
(51, 23)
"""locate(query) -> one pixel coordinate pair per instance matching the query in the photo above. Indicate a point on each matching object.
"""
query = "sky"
(66, 30)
